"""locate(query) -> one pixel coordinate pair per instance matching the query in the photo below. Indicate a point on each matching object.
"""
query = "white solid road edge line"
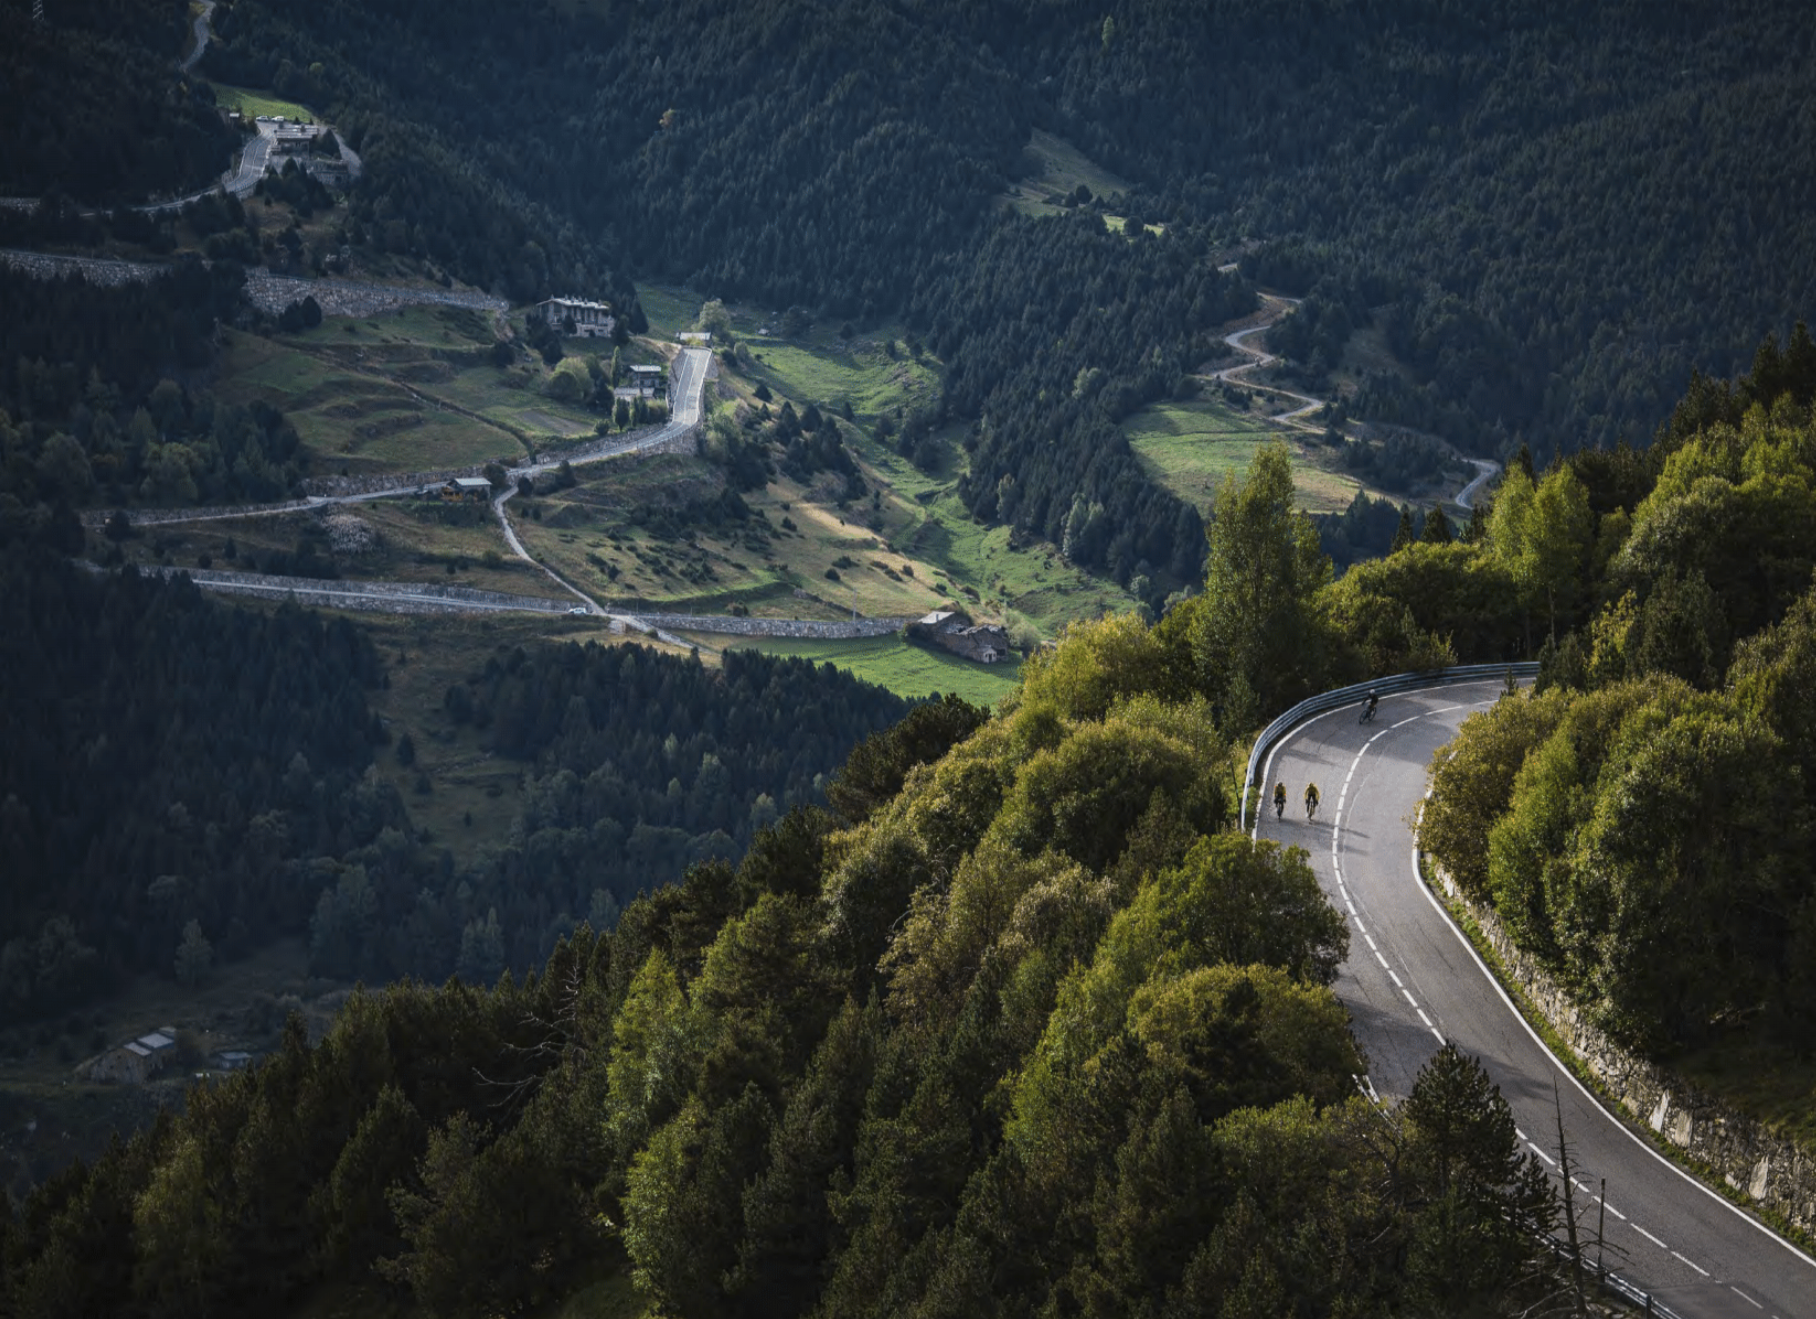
(1267, 773)
(1736, 1210)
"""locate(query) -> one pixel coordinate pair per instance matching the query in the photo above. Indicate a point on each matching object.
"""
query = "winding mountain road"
(1486, 471)
(1259, 358)
(1412, 981)
(202, 32)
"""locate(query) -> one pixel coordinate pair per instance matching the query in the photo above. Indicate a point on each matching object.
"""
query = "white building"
(589, 320)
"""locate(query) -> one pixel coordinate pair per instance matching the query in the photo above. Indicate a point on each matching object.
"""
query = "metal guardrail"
(1611, 1281)
(1325, 702)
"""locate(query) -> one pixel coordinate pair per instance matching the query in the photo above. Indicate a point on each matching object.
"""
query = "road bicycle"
(1311, 807)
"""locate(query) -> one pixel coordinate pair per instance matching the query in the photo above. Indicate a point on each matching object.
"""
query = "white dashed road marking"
(1336, 828)
(1336, 861)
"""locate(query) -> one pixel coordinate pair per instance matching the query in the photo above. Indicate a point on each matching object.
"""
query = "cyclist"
(1279, 801)
(1311, 800)
(1368, 714)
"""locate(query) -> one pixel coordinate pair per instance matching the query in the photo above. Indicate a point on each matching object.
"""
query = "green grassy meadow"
(599, 536)
(351, 419)
(1055, 168)
(910, 547)
(669, 310)
(406, 390)
(1190, 447)
(255, 103)
(891, 662)
(865, 374)
(414, 543)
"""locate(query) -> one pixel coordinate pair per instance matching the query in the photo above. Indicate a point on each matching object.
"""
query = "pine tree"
(1437, 528)
(1406, 534)
(1477, 530)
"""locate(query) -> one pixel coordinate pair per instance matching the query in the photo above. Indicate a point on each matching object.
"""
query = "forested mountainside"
(174, 764)
(91, 411)
(91, 105)
(1547, 215)
(1020, 1017)
(1019, 1027)
(168, 760)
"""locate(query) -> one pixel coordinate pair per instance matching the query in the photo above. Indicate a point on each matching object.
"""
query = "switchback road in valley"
(248, 168)
(1412, 982)
(1259, 358)
(1278, 307)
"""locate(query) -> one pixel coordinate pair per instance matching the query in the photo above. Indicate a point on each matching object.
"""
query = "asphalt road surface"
(1412, 981)
(689, 379)
(1485, 472)
(1258, 359)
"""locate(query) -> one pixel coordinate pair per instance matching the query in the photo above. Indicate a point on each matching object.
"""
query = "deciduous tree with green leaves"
(1256, 635)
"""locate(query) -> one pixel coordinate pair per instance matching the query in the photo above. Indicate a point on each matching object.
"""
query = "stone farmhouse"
(474, 488)
(136, 1061)
(952, 630)
(645, 380)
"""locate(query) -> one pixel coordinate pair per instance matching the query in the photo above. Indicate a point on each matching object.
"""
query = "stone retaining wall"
(635, 442)
(272, 293)
(825, 630)
(152, 517)
(96, 270)
(383, 594)
(266, 291)
(402, 484)
(1770, 1170)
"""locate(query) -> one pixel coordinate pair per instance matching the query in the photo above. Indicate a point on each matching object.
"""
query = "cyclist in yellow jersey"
(1311, 800)
(1279, 800)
